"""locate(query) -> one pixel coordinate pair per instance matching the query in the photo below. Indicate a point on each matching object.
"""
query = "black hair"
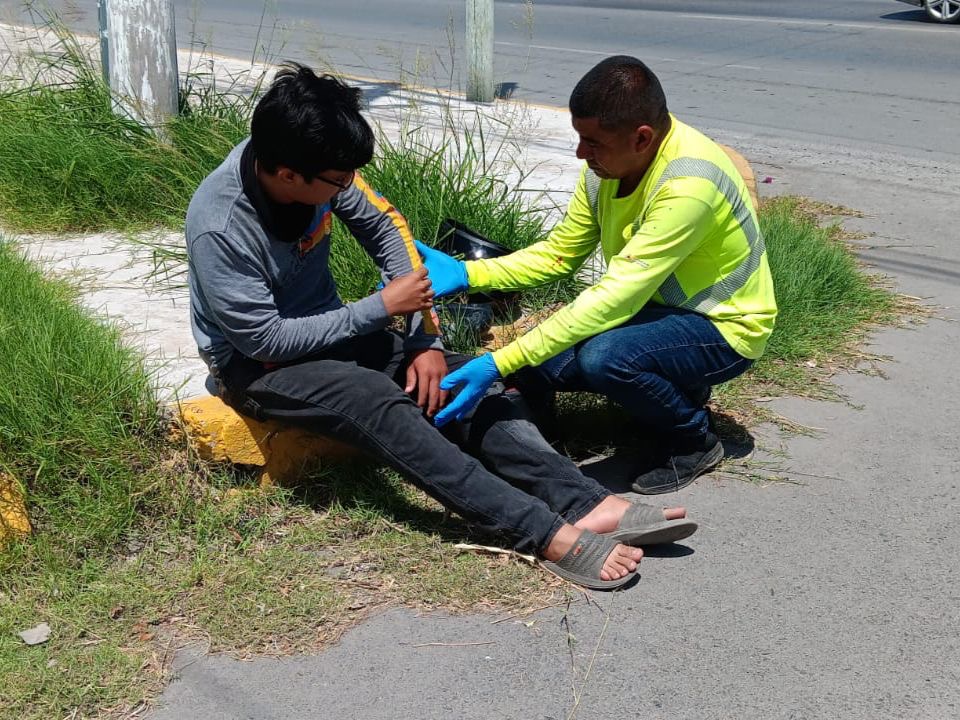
(309, 124)
(621, 92)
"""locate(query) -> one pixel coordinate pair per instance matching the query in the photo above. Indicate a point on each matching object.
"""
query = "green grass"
(77, 413)
(431, 176)
(826, 300)
(827, 304)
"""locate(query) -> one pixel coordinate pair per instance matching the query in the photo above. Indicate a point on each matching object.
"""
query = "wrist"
(491, 363)
(501, 362)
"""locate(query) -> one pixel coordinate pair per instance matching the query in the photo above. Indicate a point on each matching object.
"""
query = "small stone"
(35, 635)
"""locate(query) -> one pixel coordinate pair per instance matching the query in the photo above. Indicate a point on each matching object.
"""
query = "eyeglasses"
(338, 186)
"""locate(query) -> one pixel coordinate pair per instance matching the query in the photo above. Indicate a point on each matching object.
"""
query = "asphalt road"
(871, 74)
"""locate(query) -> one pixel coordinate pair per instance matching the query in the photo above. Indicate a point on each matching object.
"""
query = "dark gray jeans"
(494, 469)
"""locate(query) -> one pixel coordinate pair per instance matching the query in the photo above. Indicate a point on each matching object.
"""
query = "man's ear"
(285, 175)
(643, 138)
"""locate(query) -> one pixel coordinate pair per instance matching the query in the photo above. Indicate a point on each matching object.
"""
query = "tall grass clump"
(78, 418)
(826, 301)
(68, 162)
(453, 171)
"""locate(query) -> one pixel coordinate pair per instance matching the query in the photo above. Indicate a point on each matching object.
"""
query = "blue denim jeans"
(658, 366)
(495, 468)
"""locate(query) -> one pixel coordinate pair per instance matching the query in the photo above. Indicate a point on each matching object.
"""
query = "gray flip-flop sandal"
(583, 562)
(645, 525)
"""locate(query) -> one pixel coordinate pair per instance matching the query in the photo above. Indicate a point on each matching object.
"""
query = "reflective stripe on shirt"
(705, 300)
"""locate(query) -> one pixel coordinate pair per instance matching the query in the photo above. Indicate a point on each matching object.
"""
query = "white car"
(941, 11)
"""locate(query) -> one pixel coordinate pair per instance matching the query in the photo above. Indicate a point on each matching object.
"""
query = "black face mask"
(287, 222)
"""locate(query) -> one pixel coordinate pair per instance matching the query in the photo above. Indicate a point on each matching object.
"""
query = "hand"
(408, 293)
(425, 371)
(448, 274)
(476, 376)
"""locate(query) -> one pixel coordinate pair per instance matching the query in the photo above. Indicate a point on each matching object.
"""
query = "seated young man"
(282, 345)
(686, 300)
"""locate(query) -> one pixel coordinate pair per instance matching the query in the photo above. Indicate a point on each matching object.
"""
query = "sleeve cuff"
(508, 359)
(478, 276)
(370, 313)
(422, 342)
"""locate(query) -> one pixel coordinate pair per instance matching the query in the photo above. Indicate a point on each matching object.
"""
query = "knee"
(610, 373)
(601, 367)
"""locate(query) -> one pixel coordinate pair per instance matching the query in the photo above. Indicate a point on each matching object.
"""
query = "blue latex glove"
(476, 376)
(447, 275)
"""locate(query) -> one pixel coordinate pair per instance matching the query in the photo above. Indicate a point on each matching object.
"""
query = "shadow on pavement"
(913, 16)
(629, 454)
(673, 550)
(376, 90)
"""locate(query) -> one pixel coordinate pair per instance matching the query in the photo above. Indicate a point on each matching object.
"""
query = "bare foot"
(606, 516)
(621, 561)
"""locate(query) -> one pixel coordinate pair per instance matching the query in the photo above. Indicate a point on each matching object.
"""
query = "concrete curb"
(282, 453)
(14, 519)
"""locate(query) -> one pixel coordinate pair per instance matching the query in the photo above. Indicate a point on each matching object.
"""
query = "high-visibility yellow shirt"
(686, 237)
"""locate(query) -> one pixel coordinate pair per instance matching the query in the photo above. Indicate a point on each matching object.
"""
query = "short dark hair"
(621, 91)
(309, 124)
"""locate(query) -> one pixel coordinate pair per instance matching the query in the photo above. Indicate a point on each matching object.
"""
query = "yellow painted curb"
(220, 434)
(13, 511)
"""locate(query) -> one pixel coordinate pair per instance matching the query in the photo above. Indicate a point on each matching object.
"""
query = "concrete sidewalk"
(836, 595)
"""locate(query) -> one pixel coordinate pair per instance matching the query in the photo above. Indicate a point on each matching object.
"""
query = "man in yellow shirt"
(685, 300)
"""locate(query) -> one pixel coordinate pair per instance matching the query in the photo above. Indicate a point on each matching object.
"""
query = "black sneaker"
(688, 462)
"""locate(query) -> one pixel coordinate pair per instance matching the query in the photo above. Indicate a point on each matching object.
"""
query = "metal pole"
(480, 50)
(138, 44)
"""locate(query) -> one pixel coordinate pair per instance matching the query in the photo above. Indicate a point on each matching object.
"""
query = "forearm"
(268, 337)
(532, 266)
(420, 337)
(594, 311)
(386, 237)
(566, 248)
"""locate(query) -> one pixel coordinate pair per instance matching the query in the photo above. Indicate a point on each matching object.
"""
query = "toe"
(674, 513)
(622, 560)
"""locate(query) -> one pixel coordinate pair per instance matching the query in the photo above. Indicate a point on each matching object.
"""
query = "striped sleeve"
(385, 235)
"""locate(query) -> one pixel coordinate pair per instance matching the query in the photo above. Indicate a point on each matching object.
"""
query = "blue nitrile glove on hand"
(447, 275)
(476, 376)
